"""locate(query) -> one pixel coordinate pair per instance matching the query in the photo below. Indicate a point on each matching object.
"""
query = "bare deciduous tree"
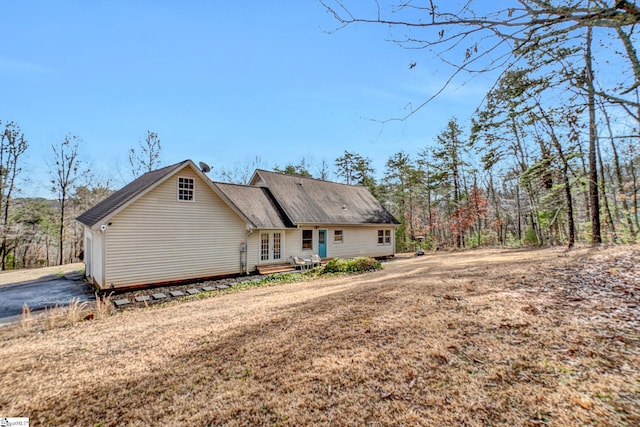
(12, 146)
(66, 171)
(147, 158)
(239, 173)
(476, 37)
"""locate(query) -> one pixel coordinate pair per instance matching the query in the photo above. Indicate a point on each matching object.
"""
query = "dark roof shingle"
(279, 201)
(257, 204)
(313, 201)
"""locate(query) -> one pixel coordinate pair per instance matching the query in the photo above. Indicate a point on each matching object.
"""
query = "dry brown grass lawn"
(10, 277)
(490, 337)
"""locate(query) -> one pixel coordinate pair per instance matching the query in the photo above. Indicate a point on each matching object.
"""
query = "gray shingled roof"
(257, 204)
(283, 202)
(313, 201)
(127, 193)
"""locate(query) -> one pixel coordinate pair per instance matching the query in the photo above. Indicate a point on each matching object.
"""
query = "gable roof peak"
(130, 192)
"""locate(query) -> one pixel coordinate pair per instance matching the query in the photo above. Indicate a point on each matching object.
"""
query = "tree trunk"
(594, 197)
(61, 229)
(519, 207)
(494, 199)
(634, 180)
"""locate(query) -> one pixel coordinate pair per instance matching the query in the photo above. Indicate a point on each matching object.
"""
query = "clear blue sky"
(221, 82)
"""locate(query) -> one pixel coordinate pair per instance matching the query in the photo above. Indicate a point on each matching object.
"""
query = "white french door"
(270, 246)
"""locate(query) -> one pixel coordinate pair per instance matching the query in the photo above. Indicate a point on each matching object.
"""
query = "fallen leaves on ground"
(487, 337)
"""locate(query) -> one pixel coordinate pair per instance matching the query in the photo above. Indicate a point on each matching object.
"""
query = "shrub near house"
(357, 265)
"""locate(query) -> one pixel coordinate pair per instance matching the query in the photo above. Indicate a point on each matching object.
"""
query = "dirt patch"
(491, 337)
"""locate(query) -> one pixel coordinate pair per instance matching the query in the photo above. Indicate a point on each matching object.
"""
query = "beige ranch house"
(175, 224)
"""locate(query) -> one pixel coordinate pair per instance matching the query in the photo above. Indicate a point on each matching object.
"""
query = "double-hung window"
(307, 239)
(338, 236)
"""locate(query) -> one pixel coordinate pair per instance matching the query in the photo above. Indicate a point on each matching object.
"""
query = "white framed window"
(384, 237)
(307, 239)
(338, 236)
(186, 187)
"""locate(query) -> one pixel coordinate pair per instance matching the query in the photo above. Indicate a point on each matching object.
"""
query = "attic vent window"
(185, 189)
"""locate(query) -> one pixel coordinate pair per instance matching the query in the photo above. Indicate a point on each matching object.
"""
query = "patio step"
(275, 268)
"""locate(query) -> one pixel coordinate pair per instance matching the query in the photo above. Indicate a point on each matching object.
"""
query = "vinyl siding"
(294, 244)
(357, 241)
(94, 256)
(253, 248)
(174, 240)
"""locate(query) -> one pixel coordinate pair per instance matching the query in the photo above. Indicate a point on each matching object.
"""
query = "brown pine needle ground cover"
(487, 337)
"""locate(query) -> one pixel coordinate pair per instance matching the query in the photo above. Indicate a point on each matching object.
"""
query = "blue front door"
(322, 243)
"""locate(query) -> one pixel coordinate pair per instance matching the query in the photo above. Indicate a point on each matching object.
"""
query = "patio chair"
(316, 261)
(298, 262)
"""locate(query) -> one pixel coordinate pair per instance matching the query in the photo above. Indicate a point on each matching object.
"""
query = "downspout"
(246, 252)
(103, 231)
